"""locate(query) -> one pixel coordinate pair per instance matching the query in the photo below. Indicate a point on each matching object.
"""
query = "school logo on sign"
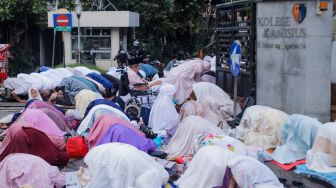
(299, 12)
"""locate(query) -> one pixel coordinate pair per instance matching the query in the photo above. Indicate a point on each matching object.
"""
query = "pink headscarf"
(185, 75)
(58, 121)
(20, 169)
(41, 104)
(37, 119)
(101, 125)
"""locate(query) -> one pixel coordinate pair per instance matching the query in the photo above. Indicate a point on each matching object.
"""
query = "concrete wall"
(293, 70)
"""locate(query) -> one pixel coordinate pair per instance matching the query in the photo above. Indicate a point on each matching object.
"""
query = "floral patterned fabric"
(226, 142)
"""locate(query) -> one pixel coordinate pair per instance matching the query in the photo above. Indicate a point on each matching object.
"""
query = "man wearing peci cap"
(135, 77)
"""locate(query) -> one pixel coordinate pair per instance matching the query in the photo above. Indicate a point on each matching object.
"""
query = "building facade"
(102, 33)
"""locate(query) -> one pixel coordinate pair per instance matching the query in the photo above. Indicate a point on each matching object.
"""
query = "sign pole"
(53, 52)
(235, 96)
(235, 54)
(79, 41)
(62, 21)
(63, 49)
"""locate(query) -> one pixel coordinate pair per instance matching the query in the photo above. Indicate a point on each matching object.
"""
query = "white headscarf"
(185, 75)
(215, 99)
(163, 115)
(182, 143)
(206, 169)
(95, 112)
(45, 81)
(118, 165)
(83, 99)
(83, 71)
(244, 170)
(322, 157)
(223, 141)
(64, 72)
(32, 80)
(261, 126)
(30, 94)
(53, 76)
(298, 135)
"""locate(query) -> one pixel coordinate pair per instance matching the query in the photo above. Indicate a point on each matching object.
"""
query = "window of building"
(96, 41)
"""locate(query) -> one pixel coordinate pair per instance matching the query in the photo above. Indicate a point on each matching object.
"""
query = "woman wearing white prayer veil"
(118, 165)
(216, 99)
(249, 172)
(322, 157)
(182, 142)
(163, 115)
(33, 93)
(214, 166)
(94, 114)
(185, 75)
(207, 168)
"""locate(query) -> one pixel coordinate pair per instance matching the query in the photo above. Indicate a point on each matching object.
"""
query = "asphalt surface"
(290, 176)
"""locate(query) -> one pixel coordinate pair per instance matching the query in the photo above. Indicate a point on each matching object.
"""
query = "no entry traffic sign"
(62, 22)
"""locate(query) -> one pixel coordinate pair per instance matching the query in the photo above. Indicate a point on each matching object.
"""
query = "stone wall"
(294, 59)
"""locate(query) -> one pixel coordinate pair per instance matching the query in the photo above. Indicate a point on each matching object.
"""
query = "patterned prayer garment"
(73, 87)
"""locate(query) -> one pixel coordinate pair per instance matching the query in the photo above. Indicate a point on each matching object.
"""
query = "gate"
(236, 20)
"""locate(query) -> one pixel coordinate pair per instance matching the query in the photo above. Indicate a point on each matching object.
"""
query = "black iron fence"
(236, 20)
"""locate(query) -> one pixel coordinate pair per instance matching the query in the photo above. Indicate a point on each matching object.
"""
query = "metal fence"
(236, 20)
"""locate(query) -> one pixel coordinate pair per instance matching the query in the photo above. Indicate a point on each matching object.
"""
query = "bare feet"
(21, 101)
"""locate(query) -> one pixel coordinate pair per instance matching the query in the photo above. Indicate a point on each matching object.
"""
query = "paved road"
(291, 176)
(4, 113)
(9, 108)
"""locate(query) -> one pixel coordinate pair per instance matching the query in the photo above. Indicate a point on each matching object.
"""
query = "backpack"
(123, 88)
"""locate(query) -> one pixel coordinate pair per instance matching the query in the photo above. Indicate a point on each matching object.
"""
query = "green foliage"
(22, 61)
(170, 23)
(11, 10)
(32, 11)
(163, 23)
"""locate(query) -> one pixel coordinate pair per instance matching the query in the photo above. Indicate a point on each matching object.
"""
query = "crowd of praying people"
(186, 141)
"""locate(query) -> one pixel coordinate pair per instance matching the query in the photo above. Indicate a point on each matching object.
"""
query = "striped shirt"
(72, 86)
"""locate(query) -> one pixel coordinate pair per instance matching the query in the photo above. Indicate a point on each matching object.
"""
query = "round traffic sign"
(62, 20)
(235, 54)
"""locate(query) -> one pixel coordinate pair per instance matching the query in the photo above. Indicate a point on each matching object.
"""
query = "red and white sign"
(62, 20)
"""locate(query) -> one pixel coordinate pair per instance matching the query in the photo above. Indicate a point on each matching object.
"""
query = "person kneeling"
(136, 80)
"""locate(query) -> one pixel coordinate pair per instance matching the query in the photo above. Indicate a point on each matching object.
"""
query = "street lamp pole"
(78, 10)
(78, 47)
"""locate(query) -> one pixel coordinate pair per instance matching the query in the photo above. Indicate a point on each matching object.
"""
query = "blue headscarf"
(101, 79)
(29, 102)
(148, 69)
(101, 101)
(43, 68)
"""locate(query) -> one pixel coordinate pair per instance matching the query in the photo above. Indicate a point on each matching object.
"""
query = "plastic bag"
(76, 147)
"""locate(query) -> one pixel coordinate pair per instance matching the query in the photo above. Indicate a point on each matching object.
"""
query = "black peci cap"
(134, 61)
